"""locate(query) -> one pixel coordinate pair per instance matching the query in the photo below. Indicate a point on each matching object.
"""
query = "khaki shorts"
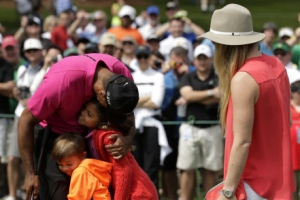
(200, 148)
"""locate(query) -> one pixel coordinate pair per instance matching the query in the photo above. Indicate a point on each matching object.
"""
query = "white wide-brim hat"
(232, 25)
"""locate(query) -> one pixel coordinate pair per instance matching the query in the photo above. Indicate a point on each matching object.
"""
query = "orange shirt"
(268, 169)
(90, 179)
(121, 33)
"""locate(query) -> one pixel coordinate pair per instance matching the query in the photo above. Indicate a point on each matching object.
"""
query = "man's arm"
(123, 143)
(203, 96)
(25, 139)
(145, 102)
(6, 88)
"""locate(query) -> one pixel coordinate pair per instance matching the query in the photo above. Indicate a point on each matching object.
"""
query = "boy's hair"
(295, 87)
(68, 144)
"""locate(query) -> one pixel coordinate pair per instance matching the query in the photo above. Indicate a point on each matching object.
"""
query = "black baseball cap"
(122, 95)
(142, 49)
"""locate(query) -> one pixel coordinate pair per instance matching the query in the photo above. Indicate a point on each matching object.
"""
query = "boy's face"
(70, 163)
(89, 116)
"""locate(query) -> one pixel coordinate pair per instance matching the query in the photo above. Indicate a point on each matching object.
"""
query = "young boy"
(90, 178)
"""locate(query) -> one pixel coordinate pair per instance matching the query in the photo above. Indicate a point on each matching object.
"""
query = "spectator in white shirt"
(153, 22)
(176, 30)
(150, 84)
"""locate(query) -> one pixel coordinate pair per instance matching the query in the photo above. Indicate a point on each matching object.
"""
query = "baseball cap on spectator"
(202, 49)
(71, 52)
(281, 45)
(9, 41)
(91, 47)
(270, 25)
(127, 10)
(97, 14)
(152, 37)
(32, 43)
(122, 94)
(181, 42)
(296, 54)
(171, 5)
(285, 31)
(108, 39)
(153, 10)
(33, 20)
(142, 49)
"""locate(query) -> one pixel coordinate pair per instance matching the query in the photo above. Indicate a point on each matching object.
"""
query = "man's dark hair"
(178, 51)
(158, 55)
(55, 47)
(82, 40)
(295, 87)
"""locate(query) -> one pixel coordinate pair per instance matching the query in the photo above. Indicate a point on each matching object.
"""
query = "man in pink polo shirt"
(67, 86)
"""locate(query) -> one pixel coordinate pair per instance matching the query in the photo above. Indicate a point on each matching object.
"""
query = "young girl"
(90, 178)
(129, 181)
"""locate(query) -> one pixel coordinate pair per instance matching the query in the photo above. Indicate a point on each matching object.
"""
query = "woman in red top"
(255, 109)
(295, 134)
(129, 181)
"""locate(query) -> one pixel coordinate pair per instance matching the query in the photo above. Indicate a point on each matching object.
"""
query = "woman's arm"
(245, 92)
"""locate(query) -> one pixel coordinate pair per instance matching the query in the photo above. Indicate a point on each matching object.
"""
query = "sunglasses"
(141, 56)
(128, 42)
(282, 53)
(31, 50)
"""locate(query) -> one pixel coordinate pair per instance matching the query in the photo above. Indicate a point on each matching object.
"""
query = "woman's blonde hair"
(47, 21)
(227, 61)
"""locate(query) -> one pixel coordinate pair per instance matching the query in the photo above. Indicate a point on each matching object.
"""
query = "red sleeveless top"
(268, 169)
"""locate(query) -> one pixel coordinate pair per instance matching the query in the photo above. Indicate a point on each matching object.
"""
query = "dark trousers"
(53, 184)
(147, 152)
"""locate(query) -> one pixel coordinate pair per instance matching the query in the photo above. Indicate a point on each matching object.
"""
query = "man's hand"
(180, 101)
(31, 186)
(121, 146)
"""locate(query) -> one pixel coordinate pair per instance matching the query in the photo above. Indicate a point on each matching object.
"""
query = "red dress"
(268, 168)
(295, 137)
(129, 181)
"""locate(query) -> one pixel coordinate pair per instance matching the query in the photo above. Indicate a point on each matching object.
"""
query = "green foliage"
(283, 13)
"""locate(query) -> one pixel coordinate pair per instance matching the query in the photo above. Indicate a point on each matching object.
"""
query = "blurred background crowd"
(171, 67)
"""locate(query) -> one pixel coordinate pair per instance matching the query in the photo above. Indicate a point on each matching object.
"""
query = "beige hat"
(232, 25)
(108, 39)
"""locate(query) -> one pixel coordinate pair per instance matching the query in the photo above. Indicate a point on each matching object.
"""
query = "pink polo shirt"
(66, 87)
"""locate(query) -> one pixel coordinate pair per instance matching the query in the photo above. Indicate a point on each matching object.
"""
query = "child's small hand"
(120, 147)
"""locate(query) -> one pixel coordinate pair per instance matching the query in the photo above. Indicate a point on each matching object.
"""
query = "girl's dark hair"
(102, 114)
(101, 110)
(295, 87)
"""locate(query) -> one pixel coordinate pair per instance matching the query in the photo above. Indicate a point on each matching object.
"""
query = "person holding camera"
(173, 71)
(25, 76)
(53, 54)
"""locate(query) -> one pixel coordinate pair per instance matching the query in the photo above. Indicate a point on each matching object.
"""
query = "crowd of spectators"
(173, 71)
